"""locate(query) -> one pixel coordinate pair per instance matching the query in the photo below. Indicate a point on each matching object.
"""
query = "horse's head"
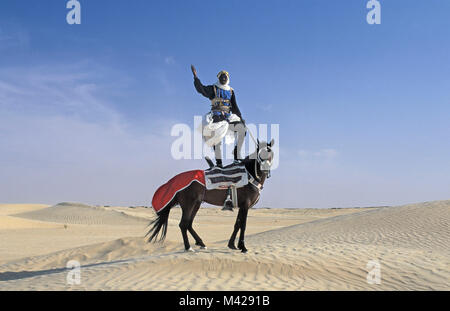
(264, 156)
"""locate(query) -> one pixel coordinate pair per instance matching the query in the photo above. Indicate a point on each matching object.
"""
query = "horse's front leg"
(237, 226)
(241, 244)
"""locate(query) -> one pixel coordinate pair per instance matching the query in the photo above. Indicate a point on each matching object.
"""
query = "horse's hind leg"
(198, 240)
(184, 224)
(190, 203)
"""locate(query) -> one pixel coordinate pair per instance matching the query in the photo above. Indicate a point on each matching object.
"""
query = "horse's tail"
(160, 222)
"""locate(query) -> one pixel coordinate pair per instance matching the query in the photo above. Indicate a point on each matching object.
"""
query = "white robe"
(213, 133)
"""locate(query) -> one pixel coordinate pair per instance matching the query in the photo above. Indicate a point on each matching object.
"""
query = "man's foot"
(237, 161)
(210, 163)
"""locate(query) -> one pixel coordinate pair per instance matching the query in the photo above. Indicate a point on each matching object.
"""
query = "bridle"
(264, 164)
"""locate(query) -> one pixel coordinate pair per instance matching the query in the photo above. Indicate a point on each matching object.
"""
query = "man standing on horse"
(223, 108)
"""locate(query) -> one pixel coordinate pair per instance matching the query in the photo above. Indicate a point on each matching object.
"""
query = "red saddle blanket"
(167, 192)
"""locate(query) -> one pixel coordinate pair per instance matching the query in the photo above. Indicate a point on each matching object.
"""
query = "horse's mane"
(249, 162)
(249, 165)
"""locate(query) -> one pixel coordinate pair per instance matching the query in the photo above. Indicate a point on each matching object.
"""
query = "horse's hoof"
(232, 246)
(242, 248)
(190, 250)
(244, 251)
(201, 245)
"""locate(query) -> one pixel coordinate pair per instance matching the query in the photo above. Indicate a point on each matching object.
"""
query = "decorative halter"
(264, 164)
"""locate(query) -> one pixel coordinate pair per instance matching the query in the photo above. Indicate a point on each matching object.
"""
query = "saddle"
(233, 175)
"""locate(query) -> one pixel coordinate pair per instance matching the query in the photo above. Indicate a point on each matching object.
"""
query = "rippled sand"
(304, 249)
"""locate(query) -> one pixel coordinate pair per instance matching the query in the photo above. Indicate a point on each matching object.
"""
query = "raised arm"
(207, 91)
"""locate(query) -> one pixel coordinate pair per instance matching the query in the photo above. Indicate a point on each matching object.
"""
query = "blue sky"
(86, 110)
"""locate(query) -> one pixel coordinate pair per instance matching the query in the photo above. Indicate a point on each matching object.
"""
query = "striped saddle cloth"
(222, 178)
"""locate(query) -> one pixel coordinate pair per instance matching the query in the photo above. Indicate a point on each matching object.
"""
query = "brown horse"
(258, 167)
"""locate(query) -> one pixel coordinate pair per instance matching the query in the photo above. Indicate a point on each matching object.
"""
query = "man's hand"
(194, 71)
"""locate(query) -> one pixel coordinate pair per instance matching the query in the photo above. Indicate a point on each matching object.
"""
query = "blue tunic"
(224, 98)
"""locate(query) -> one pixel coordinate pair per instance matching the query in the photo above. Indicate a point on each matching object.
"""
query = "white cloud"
(13, 39)
(169, 60)
(61, 140)
(266, 108)
(48, 90)
(329, 153)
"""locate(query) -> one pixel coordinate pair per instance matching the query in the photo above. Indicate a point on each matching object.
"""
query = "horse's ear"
(272, 142)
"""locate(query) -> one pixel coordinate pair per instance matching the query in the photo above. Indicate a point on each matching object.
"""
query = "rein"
(251, 135)
(255, 183)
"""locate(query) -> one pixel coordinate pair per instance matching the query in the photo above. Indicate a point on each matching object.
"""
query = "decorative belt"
(221, 105)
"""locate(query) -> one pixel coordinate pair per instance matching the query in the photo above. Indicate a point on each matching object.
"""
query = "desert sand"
(289, 249)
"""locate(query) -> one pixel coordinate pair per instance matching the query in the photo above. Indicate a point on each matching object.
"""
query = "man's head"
(224, 77)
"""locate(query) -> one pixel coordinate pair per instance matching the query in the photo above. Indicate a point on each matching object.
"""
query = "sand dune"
(288, 250)
(8, 209)
(76, 213)
(30, 230)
